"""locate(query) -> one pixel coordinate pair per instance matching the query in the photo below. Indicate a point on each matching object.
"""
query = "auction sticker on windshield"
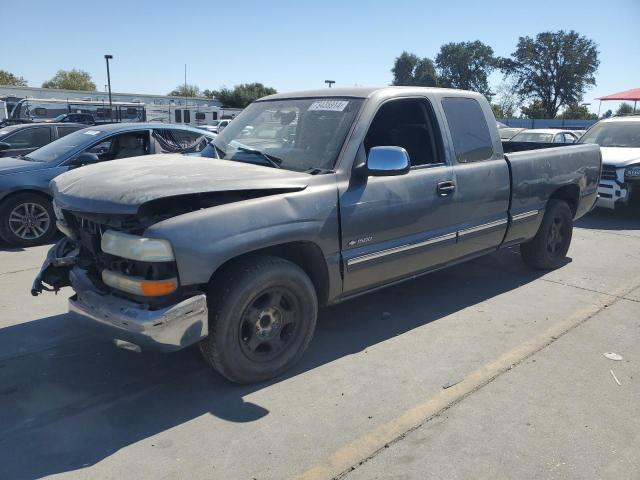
(329, 105)
(92, 132)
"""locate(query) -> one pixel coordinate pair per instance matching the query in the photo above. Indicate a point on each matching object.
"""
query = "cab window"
(407, 123)
(469, 129)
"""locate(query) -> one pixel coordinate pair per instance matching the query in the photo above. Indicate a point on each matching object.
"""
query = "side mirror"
(388, 161)
(85, 158)
(4, 146)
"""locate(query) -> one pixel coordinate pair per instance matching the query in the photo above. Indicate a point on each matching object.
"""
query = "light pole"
(107, 58)
(329, 82)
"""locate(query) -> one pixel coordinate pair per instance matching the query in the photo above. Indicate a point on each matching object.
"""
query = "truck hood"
(17, 165)
(122, 186)
(620, 157)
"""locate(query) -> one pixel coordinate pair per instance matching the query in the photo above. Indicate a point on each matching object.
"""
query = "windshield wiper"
(318, 170)
(273, 161)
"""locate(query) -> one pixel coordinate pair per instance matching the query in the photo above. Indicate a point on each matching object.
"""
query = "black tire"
(37, 211)
(548, 249)
(262, 315)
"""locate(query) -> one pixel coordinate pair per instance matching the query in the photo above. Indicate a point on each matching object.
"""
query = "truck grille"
(608, 173)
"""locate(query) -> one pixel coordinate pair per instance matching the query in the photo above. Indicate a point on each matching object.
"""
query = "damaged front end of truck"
(125, 281)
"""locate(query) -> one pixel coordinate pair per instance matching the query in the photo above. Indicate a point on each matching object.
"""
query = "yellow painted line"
(363, 448)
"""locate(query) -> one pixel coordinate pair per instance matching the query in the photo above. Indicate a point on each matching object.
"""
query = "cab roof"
(360, 92)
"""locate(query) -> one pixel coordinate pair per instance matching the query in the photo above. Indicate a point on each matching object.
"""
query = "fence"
(568, 123)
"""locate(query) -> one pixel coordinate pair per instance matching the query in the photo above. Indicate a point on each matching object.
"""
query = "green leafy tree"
(242, 95)
(9, 79)
(578, 112)
(71, 80)
(535, 109)
(624, 109)
(554, 69)
(607, 114)
(185, 91)
(466, 65)
(409, 69)
(208, 93)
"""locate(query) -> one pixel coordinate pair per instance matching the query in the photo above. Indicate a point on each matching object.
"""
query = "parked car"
(26, 215)
(619, 140)
(16, 140)
(85, 118)
(217, 126)
(374, 186)
(545, 135)
(508, 133)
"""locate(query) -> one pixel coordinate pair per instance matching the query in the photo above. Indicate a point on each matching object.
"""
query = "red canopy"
(633, 95)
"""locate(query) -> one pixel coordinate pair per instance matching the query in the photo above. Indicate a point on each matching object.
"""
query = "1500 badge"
(360, 241)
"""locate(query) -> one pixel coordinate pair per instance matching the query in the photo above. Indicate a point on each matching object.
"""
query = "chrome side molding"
(402, 248)
(522, 216)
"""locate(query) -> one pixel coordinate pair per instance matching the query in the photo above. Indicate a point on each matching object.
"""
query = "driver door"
(397, 226)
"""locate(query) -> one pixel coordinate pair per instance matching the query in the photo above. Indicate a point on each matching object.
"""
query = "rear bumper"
(168, 329)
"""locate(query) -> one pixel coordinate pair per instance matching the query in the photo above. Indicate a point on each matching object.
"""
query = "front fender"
(205, 239)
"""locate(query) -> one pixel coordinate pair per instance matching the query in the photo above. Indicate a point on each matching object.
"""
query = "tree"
(624, 109)
(71, 80)
(578, 112)
(9, 79)
(466, 65)
(208, 93)
(185, 91)
(409, 69)
(607, 114)
(535, 110)
(242, 95)
(506, 100)
(553, 69)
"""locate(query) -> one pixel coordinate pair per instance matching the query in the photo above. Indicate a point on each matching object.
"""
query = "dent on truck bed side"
(204, 240)
(569, 172)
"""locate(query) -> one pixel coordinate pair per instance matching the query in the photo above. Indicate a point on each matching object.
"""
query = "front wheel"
(548, 249)
(27, 219)
(262, 315)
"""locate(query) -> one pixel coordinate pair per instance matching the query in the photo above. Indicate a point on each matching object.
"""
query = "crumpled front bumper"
(167, 329)
(131, 325)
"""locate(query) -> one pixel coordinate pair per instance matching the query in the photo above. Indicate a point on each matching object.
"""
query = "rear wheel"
(262, 315)
(27, 219)
(548, 249)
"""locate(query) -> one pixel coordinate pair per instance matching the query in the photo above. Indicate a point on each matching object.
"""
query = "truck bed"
(531, 172)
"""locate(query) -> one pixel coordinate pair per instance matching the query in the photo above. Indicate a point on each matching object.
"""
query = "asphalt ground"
(484, 370)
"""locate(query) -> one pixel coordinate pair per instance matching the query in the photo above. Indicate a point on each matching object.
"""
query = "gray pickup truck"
(311, 198)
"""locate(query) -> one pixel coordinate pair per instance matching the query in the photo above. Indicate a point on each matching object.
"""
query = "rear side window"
(29, 138)
(187, 116)
(178, 114)
(469, 130)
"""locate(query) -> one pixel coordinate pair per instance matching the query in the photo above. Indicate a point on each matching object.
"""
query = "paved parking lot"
(484, 370)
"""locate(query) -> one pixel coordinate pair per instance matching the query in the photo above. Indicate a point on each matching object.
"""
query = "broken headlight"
(135, 247)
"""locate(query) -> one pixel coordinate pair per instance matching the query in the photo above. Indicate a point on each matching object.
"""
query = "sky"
(293, 45)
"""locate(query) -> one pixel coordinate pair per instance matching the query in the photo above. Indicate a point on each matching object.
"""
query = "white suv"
(619, 140)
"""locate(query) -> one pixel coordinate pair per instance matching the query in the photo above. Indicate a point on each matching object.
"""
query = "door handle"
(446, 188)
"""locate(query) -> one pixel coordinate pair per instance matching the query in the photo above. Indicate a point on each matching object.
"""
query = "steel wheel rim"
(29, 221)
(269, 324)
(556, 236)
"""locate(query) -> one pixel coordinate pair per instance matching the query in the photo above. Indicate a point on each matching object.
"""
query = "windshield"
(614, 134)
(294, 134)
(533, 137)
(72, 142)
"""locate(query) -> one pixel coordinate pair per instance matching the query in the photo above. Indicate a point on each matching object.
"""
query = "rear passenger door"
(481, 175)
